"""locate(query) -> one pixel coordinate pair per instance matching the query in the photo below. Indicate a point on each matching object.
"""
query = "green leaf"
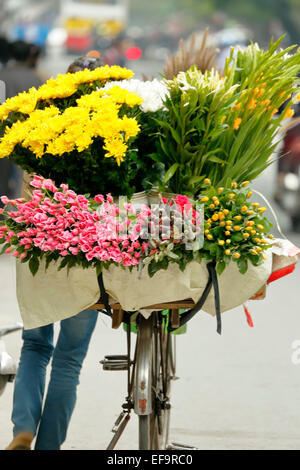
(34, 265)
(215, 159)
(240, 198)
(48, 261)
(237, 237)
(242, 265)
(26, 259)
(195, 180)
(6, 245)
(155, 157)
(164, 147)
(220, 267)
(63, 264)
(213, 249)
(171, 171)
(175, 135)
(227, 259)
(153, 267)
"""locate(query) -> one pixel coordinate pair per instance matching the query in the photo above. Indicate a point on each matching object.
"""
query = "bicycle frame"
(148, 385)
(140, 386)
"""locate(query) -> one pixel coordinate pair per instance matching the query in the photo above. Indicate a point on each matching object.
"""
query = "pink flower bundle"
(57, 223)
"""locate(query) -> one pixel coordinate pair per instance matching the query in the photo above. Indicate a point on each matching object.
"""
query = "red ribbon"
(248, 316)
(281, 272)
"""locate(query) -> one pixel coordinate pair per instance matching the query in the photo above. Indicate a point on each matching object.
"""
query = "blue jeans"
(50, 424)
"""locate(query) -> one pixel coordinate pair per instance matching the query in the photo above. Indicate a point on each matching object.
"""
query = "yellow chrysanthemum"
(62, 87)
(116, 148)
(122, 96)
(96, 115)
(130, 127)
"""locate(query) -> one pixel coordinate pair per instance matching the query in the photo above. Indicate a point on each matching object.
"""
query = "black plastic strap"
(188, 315)
(212, 282)
(104, 295)
(212, 271)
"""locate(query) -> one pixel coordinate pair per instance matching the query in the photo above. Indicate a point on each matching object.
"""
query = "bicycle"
(153, 367)
(8, 367)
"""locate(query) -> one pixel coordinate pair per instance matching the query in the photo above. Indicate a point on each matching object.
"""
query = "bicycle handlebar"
(5, 330)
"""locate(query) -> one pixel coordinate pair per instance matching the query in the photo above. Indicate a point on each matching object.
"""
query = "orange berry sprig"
(235, 228)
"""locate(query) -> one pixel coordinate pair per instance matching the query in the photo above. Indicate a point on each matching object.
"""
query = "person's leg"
(68, 356)
(29, 385)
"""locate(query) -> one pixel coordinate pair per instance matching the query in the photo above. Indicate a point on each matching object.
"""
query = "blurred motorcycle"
(8, 366)
(287, 193)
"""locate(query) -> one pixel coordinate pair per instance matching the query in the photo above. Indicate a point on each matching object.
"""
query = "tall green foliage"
(223, 128)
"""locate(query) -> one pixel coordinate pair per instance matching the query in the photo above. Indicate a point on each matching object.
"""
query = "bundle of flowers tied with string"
(202, 136)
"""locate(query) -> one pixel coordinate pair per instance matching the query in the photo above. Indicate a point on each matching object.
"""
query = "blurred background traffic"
(136, 31)
(40, 38)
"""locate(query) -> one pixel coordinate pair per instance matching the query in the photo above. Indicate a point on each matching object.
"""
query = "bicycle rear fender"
(143, 374)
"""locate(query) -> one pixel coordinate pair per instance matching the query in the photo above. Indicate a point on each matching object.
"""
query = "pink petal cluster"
(58, 220)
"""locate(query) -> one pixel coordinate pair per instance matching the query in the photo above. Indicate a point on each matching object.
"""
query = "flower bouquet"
(223, 127)
(202, 136)
(77, 130)
(57, 233)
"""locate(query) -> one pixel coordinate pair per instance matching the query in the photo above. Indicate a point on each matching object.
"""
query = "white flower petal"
(152, 92)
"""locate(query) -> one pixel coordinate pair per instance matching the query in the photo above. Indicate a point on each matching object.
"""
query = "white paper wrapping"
(171, 285)
(54, 295)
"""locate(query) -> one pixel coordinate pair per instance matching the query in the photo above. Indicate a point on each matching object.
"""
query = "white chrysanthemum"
(152, 92)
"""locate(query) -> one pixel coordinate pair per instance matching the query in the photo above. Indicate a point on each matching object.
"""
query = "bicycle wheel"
(152, 383)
